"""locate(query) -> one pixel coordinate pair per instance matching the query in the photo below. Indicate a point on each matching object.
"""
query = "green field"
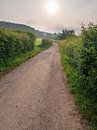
(38, 42)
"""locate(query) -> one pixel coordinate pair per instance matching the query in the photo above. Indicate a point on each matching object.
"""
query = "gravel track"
(35, 96)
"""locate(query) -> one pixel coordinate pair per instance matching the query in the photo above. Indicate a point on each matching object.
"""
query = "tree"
(65, 33)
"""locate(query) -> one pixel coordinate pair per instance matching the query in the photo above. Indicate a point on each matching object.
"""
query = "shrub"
(80, 63)
(46, 43)
(14, 42)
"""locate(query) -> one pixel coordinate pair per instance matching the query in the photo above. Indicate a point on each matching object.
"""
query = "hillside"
(21, 27)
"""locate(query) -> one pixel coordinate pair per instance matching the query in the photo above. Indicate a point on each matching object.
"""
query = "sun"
(52, 7)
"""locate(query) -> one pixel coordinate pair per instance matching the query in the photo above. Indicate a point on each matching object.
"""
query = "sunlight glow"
(52, 7)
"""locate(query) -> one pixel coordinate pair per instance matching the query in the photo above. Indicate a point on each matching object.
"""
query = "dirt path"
(34, 97)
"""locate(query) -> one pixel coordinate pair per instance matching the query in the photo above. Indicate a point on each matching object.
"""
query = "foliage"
(46, 43)
(79, 58)
(16, 47)
(65, 33)
(13, 43)
(17, 60)
(88, 67)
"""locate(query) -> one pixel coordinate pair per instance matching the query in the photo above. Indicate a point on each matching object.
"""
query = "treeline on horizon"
(25, 28)
(79, 58)
(64, 34)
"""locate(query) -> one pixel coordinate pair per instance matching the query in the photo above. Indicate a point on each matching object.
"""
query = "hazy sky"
(70, 14)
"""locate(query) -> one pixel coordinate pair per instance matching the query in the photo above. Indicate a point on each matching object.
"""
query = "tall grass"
(79, 58)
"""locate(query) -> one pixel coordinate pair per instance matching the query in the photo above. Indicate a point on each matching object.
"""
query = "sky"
(70, 13)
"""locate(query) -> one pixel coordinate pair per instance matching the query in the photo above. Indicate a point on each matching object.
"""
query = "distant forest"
(25, 28)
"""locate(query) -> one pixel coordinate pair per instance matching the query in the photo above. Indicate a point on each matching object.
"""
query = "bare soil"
(35, 96)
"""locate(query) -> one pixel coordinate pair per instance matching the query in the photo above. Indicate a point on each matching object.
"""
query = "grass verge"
(86, 105)
(11, 63)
